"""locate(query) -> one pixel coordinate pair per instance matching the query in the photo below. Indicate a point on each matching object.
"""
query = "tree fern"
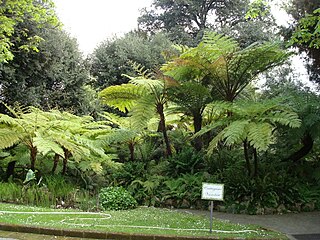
(142, 97)
(254, 121)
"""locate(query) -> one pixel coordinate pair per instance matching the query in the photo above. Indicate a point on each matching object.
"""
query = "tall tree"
(13, 12)
(304, 33)
(179, 18)
(185, 20)
(114, 57)
(53, 77)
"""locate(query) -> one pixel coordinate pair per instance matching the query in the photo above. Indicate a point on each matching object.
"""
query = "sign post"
(212, 191)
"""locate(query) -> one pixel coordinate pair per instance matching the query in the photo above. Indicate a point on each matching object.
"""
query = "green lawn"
(141, 220)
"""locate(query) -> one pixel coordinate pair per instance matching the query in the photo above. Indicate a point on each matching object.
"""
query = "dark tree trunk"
(255, 158)
(307, 142)
(162, 126)
(246, 156)
(197, 122)
(55, 163)
(33, 157)
(67, 154)
(10, 170)
(131, 149)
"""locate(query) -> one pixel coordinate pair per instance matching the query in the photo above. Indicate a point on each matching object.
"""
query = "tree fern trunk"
(65, 161)
(33, 157)
(162, 125)
(55, 163)
(246, 156)
(307, 142)
(10, 170)
(255, 158)
(131, 149)
(197, 123)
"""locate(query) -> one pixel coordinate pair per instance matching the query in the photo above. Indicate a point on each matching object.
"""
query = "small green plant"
(116, 198)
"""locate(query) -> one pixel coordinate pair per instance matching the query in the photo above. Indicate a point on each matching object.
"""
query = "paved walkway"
(292, 224)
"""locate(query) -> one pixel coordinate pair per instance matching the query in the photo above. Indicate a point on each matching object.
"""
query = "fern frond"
(220, 42)
(123, 96)
(235, 132)
(96, 167)
(5, 119)
(181, 48)
(44, 146)
(219, 108)
(214, 142)
(93, 146)
(290, 119)
(151, 85)
(210, 127)
(8, 138)
(141, 70)
(121, 135)
(17, 110)
(77, 151)
(260, 135)
(143, 112)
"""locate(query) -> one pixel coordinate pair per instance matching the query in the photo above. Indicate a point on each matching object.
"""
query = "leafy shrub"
(116, 198)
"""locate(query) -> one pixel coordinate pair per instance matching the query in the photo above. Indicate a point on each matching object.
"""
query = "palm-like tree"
(144, 96)
(252, 124)
(124, 132)
(221, 67)
(42, 132)
(21, 128)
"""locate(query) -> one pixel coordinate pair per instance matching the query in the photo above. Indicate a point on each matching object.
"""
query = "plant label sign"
(212, 191)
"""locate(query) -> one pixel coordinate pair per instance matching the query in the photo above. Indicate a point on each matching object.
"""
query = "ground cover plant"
(141, 220)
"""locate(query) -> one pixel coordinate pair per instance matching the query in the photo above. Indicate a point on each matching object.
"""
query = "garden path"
(299, 226)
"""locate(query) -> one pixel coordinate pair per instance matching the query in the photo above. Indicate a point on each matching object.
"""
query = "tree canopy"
(53, 77)
(13, 12)
(186, 21)
(114, 57)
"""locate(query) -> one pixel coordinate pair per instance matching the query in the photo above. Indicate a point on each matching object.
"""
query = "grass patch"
(141, 220)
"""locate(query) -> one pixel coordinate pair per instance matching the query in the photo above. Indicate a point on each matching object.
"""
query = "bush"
(116, 198)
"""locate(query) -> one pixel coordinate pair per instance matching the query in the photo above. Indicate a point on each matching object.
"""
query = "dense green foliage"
(164, 118)
(116, 198)
(13, 12)
(56, 76)
(113, 57)
(303, 33)
(186, 21)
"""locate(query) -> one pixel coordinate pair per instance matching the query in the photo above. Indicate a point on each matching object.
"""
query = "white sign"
(212, 191)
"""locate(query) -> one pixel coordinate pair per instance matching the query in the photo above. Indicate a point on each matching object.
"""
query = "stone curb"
(100, 235)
